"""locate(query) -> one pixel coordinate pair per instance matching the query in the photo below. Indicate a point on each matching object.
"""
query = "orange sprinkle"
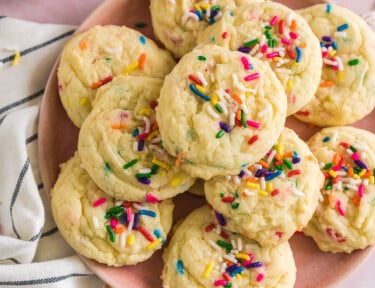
(327, 83)
(332, 199)
(293, 25)
(84, 44)
(303, 45)
(264, 164)
(310, 157)
(350, 171)
(180, 159)
(141, 61)
(237, 98)
(356, 200)
(288, 154)
(251, 168)
(252, 180)
(277, 157)
(238, 115)
(119, 229)
(118, 126)
(336, 159)
(368, 174)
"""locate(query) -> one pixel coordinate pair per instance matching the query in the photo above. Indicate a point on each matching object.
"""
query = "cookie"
(200, 254)
(177, 23)
(102, 228)
(272, 199)
(220, 110)
(344, 219)
(274, 33)
(92, 58)
(120, 145)
(347, 87)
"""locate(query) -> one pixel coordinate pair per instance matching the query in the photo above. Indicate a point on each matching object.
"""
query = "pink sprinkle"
(264, 48)
(293, 35)
(339, 208)
(113, 222)
(336, 168)
(253, 124)
(99, 202)
(220, 282)
(273, 54)
(252, 76)
(355, 156)
(260, 277)
(361, 190)
(274, 20)
(151, 198)
(143, 136)
(245, 62)
(128, 214)
(247, 262)
(285, 41)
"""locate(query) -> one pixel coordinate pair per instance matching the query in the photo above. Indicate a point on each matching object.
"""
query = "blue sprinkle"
(299, 54)
(361, 164)
(158, 234)
(224, 126)
(242, 173)
(238, 270)
(327, 38)
(343, 27)
(244, 49)
(231, 268)
(199, 14)
(326, 139)
(198, 93)
(296, 160)
(135, 132)
(144, 180)
(180, 267)
(321, 44)
(328, 8)
(273, 175)
(334, 45)
(254, 264)
(141, 145)
(136, 221)
(142, 39)
(147, 213)
(220, 219)
(124, 219)
(211, 21)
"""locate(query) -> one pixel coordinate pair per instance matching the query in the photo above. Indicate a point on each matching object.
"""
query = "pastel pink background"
(75, 11)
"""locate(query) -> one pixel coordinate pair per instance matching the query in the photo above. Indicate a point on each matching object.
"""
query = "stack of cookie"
(150, 128)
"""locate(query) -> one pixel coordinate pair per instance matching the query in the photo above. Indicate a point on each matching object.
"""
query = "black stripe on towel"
(37, 47)
(31, 138)
(22, 101)
(50, 232)
(48, 280)
(15, 193)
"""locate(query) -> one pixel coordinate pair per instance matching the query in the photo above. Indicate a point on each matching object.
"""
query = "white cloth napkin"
(32, 251)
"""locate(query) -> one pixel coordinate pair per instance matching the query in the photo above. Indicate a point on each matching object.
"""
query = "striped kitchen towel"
(32, 251)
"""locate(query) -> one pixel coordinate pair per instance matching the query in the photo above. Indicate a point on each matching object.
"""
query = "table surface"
(74, 12)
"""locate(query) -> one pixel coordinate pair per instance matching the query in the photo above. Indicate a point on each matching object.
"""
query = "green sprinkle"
(111, 233)
(236, 195)
(221, 194)
(327, 166)
(268, 27)
(353, 62)
(201, 58)
(243, 119)
(108, 59)
(140, 24)
(357, 170)
(154, 169)
(161, 144)
(143, 175)
(227, 246)
(229, 285)
(130, 164)
(220, 134)
(329, 185)
(268, 34)
(215, 8)
(346, 188)
(251, 42)
(218, 108)
(353, 148)
(107, 168)
(288, 163)
(235, 205)
(212, 39)
(279, 167)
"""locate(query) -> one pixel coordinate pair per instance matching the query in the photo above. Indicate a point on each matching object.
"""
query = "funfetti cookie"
(102, 228)
(200, 254)
(274, 33)
(344, 219)
(347, 87)
(271, 199)
(177, 23)
(219, 111)
(120, 143)
(92, 58)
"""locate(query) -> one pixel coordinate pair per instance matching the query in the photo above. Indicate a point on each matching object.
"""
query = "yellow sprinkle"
(356, 176)
(371, 180)
(248, 94)
(16, 58)
(205, 5)
(262, 193)
(175, 181)
(152, 245)
(144, 112)
(131, 67)
(197, 7)
(332, 53)
(242, 256)
(200, 88)
(160, 163)
(84, 101)
(208, 269)
(276, 59)
(130, 240)
(253, 185)
(238, 276)
(269, 186)
(152, 135)
(363, 172)
(341, 75)
(332, 173)
(289, 84)
(279, 148)
(214, 99)
(162, 173)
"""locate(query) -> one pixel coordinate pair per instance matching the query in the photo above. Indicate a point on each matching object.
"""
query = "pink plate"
(58, 141)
